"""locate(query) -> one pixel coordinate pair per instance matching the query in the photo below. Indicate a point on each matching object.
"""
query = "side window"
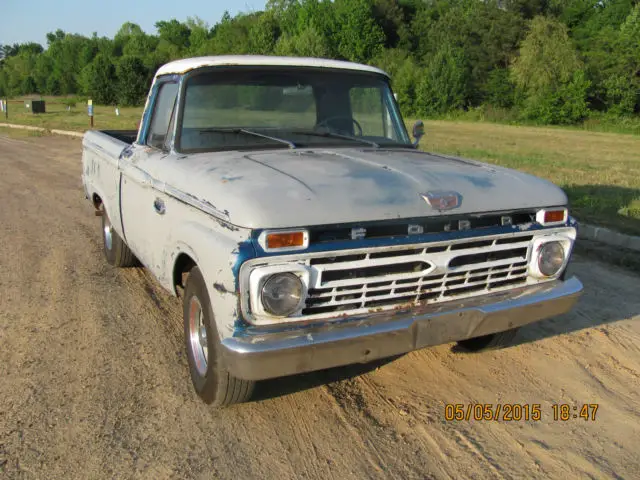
(367, 109)
(162, 112)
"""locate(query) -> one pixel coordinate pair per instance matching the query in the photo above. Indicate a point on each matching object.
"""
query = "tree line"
(549, 61)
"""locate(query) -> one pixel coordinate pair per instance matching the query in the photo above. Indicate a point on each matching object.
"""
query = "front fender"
(218, 251)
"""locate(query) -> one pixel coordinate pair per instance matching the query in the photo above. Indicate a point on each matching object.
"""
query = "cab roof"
(188, 64)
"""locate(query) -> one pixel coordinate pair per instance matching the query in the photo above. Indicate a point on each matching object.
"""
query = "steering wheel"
(327, 121)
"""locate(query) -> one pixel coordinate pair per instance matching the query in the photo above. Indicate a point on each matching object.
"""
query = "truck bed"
(126, 136)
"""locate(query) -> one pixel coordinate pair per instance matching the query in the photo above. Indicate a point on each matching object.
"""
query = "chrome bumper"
(379, 335)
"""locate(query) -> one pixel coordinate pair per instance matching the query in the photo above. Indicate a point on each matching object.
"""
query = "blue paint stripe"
(399, 240)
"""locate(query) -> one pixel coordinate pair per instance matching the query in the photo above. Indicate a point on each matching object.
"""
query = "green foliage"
(543, 61)
(547, 58)
(70, 102)
(99, 80)
(564, 105)
(28, 85)
(264, 34)
(132, 81)
(405, 74)
(444, 83)
(309, 43)
(358, 36)
(550, 75)
(499, 91)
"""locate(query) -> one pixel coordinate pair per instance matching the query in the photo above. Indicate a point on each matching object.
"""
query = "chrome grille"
(430, 273)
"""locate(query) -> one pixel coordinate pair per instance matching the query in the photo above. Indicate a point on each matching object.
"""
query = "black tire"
(211, 380)
(493, 341)
(116, 251)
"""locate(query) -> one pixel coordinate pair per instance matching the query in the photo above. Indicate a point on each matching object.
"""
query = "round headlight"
(281, 294)
(550, 258)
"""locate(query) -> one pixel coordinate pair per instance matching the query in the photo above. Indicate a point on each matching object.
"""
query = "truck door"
(142, 201)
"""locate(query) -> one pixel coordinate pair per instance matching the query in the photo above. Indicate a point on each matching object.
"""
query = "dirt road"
(94, 381)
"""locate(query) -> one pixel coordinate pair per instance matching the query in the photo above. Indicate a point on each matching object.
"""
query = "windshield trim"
(395, 111)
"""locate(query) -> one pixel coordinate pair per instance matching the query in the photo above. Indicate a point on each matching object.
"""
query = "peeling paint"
(222, 289)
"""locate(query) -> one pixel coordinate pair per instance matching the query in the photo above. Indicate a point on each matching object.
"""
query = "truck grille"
(431, 273)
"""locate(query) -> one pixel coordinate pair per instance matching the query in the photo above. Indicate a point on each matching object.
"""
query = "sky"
(30, 20)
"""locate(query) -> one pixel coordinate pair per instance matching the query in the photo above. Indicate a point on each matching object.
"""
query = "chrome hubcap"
(108, 234)
(198, 336)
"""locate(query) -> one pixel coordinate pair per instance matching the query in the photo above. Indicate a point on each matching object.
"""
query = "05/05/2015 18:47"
(516, 412)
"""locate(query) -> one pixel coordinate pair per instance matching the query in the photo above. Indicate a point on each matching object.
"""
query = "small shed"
(35, 106)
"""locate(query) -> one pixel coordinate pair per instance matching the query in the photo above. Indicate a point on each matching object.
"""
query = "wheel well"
(184, 264)
(97, 201)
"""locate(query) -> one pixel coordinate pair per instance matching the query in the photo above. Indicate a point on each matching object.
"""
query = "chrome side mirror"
(418, 132)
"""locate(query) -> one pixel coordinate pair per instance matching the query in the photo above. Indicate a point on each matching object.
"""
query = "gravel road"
(94, 380)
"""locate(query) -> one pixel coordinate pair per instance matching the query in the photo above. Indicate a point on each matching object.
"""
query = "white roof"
(187, 64)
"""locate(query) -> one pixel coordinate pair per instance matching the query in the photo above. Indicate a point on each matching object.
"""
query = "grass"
(76, 119)
(600, 172)
(596, 122)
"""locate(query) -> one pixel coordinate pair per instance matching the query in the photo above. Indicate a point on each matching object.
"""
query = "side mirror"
(418, 132)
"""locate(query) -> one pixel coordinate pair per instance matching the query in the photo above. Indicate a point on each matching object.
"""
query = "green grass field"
(599, 171)
(76, 119)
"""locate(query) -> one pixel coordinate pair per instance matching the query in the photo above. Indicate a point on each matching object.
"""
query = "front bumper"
(379, 335)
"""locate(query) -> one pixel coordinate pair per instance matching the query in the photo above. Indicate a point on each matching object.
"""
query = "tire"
(211, 380)
(492, 341)
(116, 251)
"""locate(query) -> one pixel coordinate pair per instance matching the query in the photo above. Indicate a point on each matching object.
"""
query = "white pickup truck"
(284, 201)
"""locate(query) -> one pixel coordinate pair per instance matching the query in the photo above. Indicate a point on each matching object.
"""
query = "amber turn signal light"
(285, 240)
(552, 217)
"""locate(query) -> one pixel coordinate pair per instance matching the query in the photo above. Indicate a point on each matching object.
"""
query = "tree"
(549, 73)
(28, 85)
(264, 34)
(99, 80)
(310, 43)
(547, 57)
(132, 81)
(444, 85)
(359, 38)
(623, 80)
(175, 33)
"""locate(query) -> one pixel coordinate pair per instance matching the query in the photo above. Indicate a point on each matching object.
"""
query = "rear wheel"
(211, 380)
(493, 341)
(116, 251)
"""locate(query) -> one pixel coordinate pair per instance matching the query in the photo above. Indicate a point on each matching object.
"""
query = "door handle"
(158, 206)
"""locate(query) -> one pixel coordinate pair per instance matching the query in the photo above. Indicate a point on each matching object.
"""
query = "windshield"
(288, 108)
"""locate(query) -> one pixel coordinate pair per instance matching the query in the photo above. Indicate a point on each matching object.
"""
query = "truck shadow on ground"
(279, 387)
(595, 309)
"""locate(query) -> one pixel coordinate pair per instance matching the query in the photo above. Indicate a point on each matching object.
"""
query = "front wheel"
(492, 341)
(211, 380)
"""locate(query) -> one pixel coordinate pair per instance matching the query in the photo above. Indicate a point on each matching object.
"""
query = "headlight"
(550, 258)
(281, 294)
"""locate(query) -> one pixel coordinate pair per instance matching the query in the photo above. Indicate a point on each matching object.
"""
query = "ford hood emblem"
(442, 200)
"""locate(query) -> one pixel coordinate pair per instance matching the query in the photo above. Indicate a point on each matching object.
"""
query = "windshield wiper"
(289, 143)
(329, 134)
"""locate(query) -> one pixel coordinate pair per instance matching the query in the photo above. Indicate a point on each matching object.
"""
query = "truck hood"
(279, 189)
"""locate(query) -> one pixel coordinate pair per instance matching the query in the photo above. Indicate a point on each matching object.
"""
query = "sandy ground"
(94, 381)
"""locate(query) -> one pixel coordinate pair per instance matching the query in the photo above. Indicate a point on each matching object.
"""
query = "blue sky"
(30, 20)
